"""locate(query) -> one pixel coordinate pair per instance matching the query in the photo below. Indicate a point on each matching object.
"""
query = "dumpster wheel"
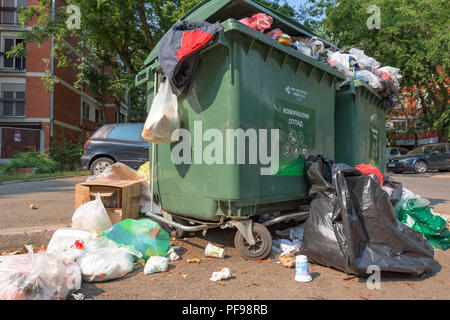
(262, 246)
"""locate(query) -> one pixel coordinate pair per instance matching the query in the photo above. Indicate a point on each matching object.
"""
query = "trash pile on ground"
(359, 218)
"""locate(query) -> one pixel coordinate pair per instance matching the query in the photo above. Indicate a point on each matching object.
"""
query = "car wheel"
(99, 165)
(420, 167)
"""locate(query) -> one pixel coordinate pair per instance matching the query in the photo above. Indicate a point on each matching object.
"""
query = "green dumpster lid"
(221, 10)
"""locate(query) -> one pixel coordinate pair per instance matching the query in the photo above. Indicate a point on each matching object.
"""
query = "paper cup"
(213, 251)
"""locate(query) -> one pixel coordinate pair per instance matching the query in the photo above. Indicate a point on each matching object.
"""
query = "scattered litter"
(194, 260)
(172, 255)
(287, 260)
(242, 271)
(221, 275)
(284, 246)
(156, 264)
(40, 276)
(78, 296)
(33, 206)
(294, 233)
(214, 251)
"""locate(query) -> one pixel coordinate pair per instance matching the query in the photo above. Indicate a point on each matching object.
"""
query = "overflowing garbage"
(354, 64)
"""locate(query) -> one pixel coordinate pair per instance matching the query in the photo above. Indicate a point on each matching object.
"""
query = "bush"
(67, 154)
(31, 159)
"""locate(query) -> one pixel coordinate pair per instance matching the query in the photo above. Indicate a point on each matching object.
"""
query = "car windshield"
(419, 150)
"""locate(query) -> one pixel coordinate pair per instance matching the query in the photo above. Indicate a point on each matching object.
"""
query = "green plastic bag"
(416, 213)
(145, 236)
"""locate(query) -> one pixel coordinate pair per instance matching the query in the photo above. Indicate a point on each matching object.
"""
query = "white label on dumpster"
(298, 93)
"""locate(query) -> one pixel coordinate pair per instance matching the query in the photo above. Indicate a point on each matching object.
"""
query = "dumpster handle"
(286, 217)
(153, 145)
(180, 226)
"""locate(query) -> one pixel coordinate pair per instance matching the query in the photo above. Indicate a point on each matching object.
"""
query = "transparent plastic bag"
(40, 276)
(368, 77)
(365, 62)
(163, 119)
(92, 216)
(102, 260)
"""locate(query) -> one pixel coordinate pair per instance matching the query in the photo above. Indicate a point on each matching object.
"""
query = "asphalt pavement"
(251, 279)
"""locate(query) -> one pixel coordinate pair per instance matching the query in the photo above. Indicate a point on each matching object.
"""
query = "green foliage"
(67, 154)
(31, 159)
(414, 36)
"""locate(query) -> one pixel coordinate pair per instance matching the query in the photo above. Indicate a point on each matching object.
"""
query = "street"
(251, 279)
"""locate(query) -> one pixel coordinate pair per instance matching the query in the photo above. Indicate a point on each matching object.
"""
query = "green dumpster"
(360, 126)
(249, 98)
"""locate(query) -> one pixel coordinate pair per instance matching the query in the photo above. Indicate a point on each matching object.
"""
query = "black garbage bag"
(396, 187)
(352, 225)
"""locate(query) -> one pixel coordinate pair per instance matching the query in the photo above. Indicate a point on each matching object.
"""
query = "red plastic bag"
(259, 21)
(275, 33)
(368, 169)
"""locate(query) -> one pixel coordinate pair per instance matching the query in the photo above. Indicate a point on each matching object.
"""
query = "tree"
(116, 36)
(413, 36)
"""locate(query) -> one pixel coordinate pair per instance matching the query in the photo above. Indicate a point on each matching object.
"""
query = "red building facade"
(32, 117)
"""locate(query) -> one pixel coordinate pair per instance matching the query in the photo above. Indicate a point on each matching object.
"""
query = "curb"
(43, 179)
(37, 236)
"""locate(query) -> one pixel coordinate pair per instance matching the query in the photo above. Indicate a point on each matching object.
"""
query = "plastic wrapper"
(103, 260)
(144, 172)
(364, 62)
(352, 226)
(368, 77)
(92, 217)
(259, 21)
(163, 119)
(40, 276)
(395, 186)
(145, 236)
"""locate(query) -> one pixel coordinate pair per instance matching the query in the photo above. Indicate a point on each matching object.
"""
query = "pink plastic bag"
(259, 21)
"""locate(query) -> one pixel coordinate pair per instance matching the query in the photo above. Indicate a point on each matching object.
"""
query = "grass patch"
(6, 177)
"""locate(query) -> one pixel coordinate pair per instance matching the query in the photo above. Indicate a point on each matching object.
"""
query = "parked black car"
(422, 159)
(113, 143)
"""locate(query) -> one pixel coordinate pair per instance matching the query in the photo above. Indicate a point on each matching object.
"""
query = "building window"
(399, 125)
(97, 115)
(85, 110)
(16, 63)
(12, 100)
(9, 11)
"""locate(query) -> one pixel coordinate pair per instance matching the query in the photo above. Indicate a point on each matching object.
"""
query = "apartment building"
(31, 117)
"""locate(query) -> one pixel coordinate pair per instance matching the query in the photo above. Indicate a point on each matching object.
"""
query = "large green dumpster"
(247, 89)
(360, 132)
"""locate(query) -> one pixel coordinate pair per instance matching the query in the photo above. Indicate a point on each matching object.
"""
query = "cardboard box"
(120, 197)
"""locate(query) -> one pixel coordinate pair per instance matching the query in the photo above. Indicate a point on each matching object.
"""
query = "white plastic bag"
(341, 62)
(64, 239)
(92, 217)
(368, 77)
(40, 276)
(163, 119)
(365, 62)
(156, 264)
(316, 47)
(104, 260)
